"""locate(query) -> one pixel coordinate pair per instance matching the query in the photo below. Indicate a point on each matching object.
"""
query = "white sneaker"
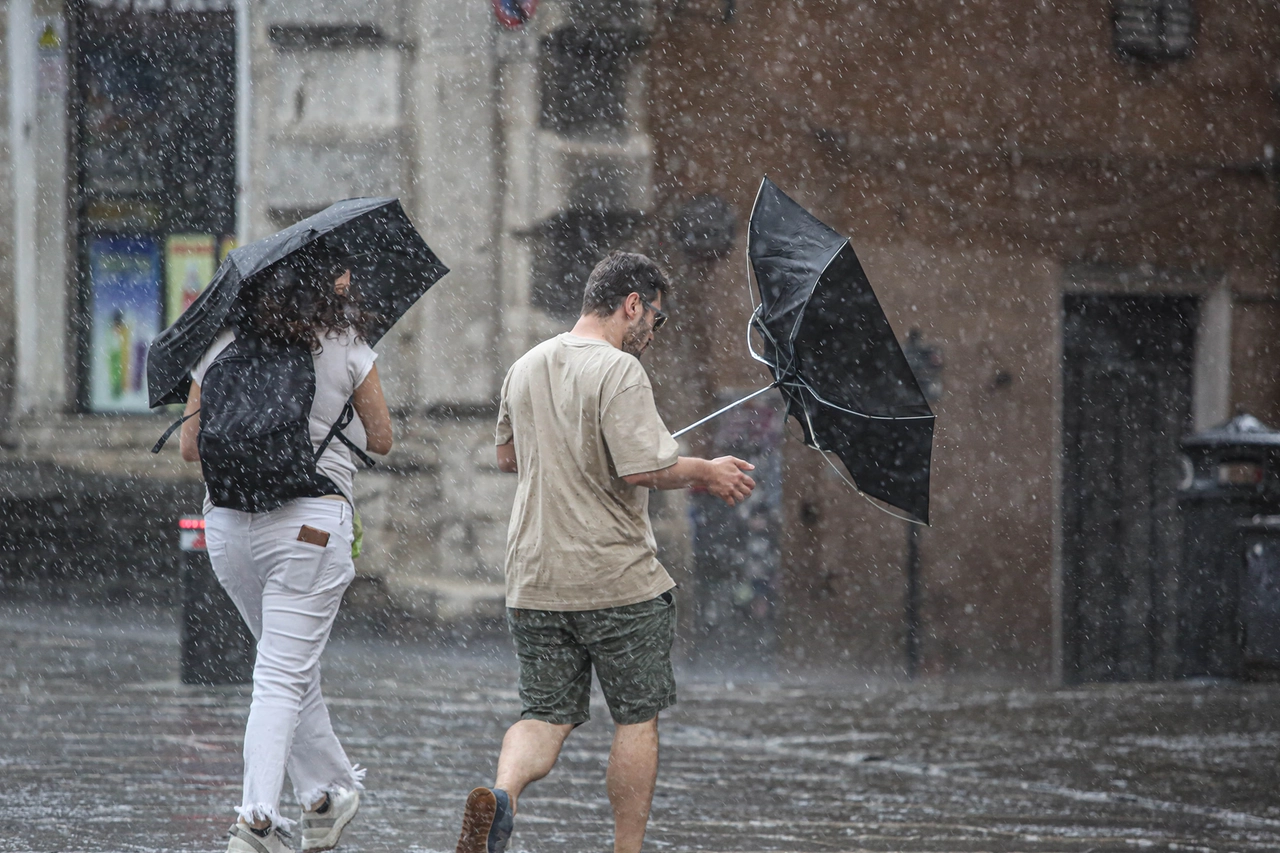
(322, 829)
(245, 840)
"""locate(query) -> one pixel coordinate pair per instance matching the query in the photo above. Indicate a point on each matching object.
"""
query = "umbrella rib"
(755, 309)
(787, 375)
(827, 458)
(850, 483)
(827, 402)
(795, 327)
(732, 405)
(864, 495)
(799, 382)
(780, 370)
(764, 333)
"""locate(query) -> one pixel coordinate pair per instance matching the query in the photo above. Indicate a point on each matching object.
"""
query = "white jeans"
(288, 592)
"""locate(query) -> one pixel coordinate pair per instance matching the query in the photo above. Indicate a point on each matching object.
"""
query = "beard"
(635, 338)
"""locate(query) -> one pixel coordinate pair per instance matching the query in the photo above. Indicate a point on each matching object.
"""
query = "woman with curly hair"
(286, 569)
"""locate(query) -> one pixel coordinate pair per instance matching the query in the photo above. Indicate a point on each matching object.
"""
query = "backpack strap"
(172, 428)
(335, 431)
(364, 457)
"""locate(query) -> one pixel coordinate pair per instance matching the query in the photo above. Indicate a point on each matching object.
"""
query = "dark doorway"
(737, 556)
(153, 140)
(1127, 368)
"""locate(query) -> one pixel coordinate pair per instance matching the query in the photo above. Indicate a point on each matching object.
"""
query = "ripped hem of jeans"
(262, 811)
(355, 783)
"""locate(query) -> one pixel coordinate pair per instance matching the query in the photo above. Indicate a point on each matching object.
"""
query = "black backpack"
(255, 440)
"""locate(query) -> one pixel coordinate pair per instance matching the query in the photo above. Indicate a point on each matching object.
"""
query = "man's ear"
(631, 305)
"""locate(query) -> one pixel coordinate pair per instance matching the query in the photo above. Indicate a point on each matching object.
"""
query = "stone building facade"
(1074, 205)
(1034, 190)
(520, 153)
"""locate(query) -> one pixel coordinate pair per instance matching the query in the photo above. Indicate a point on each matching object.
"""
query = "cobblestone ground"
(101, 749)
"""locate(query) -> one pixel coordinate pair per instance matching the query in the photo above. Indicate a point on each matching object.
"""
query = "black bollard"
(217, 647)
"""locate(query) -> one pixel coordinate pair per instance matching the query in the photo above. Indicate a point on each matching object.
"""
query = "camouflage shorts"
(629, 646)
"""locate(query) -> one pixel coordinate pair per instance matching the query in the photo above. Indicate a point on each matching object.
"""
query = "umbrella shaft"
(732, 405)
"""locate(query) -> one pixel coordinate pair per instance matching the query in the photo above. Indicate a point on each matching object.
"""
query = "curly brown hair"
(295, 304)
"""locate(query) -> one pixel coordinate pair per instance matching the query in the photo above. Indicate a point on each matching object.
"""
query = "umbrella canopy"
(391, 266)
(834, 356)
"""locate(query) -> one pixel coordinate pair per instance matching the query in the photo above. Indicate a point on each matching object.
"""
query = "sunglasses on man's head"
(659, 316)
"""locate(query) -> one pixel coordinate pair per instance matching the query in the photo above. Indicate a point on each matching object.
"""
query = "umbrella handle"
(732, 405)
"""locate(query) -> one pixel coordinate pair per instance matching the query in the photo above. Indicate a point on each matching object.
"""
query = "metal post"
(926, 365)
(913, 601)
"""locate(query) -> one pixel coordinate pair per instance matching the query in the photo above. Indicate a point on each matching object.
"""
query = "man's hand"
(721, 477)
(727, 481)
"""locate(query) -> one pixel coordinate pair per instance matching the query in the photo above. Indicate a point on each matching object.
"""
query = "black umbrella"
(391, 266)
(834, 356)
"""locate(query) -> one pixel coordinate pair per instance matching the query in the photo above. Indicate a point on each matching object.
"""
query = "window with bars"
(1153, 30)
(568, 247)
(584, 78)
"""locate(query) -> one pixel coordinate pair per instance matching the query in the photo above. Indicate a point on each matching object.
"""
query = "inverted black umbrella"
(391, 266)
(833, 354)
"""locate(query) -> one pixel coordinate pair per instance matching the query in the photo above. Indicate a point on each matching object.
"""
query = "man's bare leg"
(633, 772)
(529, 751)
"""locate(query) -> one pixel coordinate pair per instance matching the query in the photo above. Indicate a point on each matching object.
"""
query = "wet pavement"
(102, 749)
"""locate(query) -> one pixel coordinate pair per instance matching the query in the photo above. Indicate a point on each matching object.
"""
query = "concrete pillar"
(456, 199)
(518, 120)
(38, 159)
(1211, 379)
(7, 306)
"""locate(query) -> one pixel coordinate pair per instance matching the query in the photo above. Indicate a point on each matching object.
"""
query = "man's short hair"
(616, 277)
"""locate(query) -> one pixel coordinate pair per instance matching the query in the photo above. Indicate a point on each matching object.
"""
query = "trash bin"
(1260, 596)
(1234, 475)
(217, 647)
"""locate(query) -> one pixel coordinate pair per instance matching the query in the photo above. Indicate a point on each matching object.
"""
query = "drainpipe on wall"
(22, 121)
(244, 121)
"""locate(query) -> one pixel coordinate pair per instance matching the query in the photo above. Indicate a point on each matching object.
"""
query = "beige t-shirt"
(582, 415)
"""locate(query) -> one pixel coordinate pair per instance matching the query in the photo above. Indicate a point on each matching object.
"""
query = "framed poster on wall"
(188, 266)
(124, 311)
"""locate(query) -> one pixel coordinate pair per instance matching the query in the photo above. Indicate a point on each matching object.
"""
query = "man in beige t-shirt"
(579, 537)
(578, 424)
